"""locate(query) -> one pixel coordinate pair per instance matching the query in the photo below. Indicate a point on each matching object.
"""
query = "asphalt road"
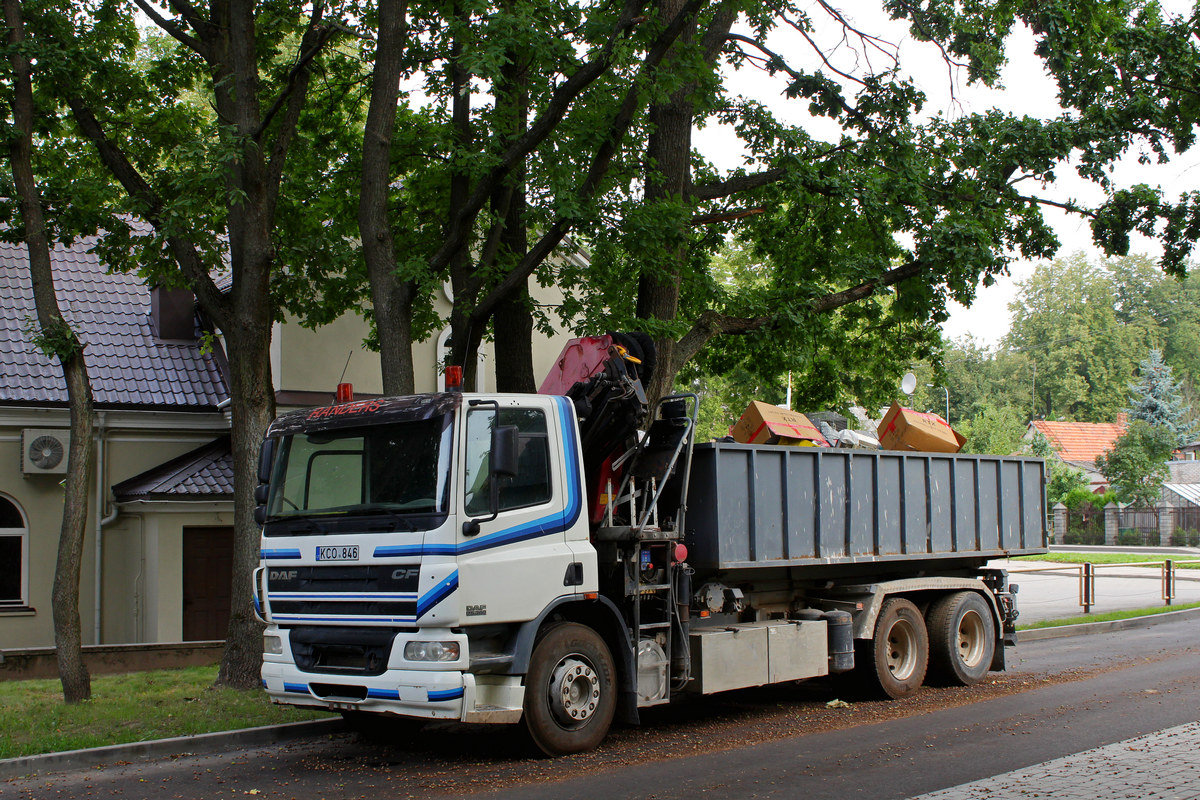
(1060, 696)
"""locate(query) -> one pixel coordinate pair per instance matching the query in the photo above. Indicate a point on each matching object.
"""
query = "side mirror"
(504, 452)
(266, 456)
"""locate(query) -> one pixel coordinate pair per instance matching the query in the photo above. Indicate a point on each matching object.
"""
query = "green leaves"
(1137, 464)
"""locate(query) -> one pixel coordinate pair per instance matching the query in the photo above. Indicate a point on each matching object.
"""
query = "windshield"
(400, 468)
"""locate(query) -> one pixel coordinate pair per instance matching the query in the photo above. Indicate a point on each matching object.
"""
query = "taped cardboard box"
(763, 423)
(905, 429)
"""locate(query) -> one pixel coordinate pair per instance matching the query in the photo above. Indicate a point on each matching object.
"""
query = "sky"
(1026, 89)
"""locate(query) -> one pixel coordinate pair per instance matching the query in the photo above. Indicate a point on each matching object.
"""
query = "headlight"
(431, 651)
(272, 645)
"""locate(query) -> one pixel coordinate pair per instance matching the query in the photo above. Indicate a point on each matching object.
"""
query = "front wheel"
(899, 653)
(570, 691)
(962, 639)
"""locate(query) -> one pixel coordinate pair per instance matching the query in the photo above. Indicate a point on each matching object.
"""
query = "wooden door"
(207, 570)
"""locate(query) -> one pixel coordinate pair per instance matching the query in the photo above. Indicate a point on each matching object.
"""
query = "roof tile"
(111, 314)
(1080, 441)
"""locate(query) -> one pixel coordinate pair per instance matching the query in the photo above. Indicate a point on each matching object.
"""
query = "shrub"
(1185, 538)
(1130, 538)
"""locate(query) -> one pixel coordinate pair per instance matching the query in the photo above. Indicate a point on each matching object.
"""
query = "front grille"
(344, 579)
(358, 651)
(359, 608)
(374, 590)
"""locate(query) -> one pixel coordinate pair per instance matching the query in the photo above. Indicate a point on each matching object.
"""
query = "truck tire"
(899, 653)
(962, 639)
(570, 690)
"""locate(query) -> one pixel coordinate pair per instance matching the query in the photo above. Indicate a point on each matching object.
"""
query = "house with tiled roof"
(1079, 444)
(158, 544)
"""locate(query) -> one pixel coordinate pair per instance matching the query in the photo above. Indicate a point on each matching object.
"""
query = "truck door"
(517, 562)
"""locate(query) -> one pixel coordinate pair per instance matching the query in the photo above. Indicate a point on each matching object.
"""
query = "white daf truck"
(565, 557)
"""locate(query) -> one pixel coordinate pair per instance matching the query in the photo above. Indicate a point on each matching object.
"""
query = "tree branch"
(713, 323)
(175, 31)
(314, 40)
(560, 102)
(183, 249)
(599, 168)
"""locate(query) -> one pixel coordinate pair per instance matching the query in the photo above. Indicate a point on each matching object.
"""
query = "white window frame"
(23, 534)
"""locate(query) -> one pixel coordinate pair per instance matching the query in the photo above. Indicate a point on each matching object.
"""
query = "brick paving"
(1159, 766)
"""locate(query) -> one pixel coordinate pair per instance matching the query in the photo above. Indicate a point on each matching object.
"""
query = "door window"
(532, 485)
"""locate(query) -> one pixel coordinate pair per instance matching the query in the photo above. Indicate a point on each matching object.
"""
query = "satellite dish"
(46, 452)
(908, 384)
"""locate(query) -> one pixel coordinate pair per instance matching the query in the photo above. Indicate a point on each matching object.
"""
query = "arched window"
(14, 556)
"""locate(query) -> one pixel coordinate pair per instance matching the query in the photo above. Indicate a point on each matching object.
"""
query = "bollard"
(1087, 586)
(1168, 581)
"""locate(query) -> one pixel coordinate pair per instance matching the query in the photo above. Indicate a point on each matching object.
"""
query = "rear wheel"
(899, 653)
(570, 691)
(962, 639)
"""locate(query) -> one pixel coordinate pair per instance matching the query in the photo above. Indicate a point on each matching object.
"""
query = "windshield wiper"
(396, 518)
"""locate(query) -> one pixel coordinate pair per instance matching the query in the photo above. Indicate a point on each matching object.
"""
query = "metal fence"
(1137, 526)
(1186, 530)
(1087, 573)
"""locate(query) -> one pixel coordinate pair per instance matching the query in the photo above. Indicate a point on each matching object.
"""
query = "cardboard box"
(763, 423)
(905, 429)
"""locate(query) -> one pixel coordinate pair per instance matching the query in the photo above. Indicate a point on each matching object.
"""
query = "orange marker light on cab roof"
(454, 379)
(345, 393)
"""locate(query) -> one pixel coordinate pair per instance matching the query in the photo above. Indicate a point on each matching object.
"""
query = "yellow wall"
(141, 598)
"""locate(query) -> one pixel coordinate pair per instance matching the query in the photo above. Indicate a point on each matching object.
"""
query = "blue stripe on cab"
(444, 694)
(283, 553)
(296, 688)
(383, 694)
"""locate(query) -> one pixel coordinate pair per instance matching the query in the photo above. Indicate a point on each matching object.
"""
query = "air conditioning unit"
(44, 451)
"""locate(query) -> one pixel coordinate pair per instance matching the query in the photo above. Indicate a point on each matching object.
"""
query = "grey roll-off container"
(821, 525)
(752, 506)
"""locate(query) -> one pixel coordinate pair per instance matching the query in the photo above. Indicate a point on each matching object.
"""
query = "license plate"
(343, 552)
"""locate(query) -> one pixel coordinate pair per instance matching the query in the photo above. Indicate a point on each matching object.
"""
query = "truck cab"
(400, 559)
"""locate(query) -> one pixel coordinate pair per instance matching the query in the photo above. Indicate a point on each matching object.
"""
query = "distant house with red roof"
(1078, 444)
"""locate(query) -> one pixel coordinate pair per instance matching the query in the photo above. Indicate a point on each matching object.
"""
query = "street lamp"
(946, 389)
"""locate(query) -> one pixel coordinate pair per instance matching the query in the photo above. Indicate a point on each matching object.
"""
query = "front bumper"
(446, 691)
(414, 693)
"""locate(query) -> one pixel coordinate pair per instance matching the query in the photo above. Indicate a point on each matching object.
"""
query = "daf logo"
(405, 574)
(284, 574)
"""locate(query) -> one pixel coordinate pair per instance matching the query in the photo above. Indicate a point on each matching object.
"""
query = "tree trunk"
(668, 177)
(68, 635)
(57, 340)
(512, 321)
(513, 324)
(250, 381)
(391, 297)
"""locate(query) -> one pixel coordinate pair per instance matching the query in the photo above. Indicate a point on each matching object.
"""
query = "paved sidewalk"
(1157, 766)
(1051, 591)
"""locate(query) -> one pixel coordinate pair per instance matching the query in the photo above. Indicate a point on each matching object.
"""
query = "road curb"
(271, 734)
(28, 766)
(1089, 628)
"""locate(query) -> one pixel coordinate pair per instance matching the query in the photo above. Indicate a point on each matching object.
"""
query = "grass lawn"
(1111, 615)
(134, 707)
(1110, 558)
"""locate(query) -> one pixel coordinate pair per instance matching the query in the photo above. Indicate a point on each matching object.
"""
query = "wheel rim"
(971, 644)
(574, 691)
(902, 650)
